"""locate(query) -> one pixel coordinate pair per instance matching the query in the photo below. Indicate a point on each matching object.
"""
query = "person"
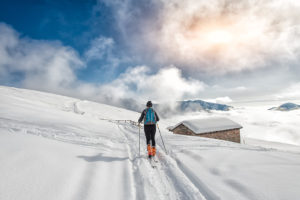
(150, 118)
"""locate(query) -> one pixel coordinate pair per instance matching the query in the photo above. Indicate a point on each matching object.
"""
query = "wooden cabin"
(217, 128)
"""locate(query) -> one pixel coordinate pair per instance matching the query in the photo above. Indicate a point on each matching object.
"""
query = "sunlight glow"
(218, 37)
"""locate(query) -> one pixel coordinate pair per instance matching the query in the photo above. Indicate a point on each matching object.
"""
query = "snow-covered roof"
(207, 125)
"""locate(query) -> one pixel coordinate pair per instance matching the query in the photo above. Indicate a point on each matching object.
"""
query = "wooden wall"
(229, 135)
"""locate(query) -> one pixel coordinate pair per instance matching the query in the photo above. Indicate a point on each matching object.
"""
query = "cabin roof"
(207, 125)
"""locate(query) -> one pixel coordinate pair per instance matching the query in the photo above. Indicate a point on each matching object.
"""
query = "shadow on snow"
(100, 157)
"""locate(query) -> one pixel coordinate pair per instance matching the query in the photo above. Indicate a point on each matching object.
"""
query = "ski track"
(158, 185)
(169, 180)
(166, 177)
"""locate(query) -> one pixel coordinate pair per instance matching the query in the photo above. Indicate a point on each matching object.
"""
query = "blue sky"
(74, 23)
(108, 51)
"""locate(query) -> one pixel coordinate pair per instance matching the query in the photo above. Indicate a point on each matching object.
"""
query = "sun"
(216, 37)
(206, 37)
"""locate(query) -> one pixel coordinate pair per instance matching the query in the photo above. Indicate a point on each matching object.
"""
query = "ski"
(152, 162)
(155, 159)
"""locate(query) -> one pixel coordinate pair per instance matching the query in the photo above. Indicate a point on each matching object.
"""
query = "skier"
(150, 118)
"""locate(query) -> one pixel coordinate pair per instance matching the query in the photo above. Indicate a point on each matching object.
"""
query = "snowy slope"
(55, 147)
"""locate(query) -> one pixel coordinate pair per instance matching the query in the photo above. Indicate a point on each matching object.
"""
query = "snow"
(207, 125)
(55, 147)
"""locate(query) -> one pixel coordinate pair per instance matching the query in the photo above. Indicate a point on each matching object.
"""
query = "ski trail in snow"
(134, 166)
(129, 152)
(82, 181)
(68, 134)
(152, 184)
(99, 172)
(167, 181)
(181, 181)
(205, 191)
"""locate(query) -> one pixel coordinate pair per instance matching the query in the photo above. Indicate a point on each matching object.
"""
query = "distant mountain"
(188, 106)
(286, 107)
(198, 105)
(170, 108)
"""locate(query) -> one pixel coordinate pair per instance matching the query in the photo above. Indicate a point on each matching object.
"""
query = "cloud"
(99, 48)
(240, 88)
(50, 66)
(141, 84)
(220, 100)
(290, 93)
(218, 36)
(36, 64)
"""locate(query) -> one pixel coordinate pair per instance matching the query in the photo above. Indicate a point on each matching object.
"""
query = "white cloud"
(240, 88)
(99, 48)
(50, 66)
(140, 84)
(216, 36)
(36, 64)
(290, 93)
(221, 100)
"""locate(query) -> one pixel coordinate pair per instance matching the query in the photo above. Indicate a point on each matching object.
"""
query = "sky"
(122, 51)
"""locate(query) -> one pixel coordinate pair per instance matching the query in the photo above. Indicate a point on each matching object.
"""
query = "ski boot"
(153, 151)
(149, 151)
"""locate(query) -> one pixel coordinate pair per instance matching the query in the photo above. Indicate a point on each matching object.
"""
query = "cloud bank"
(217, 36)
(291, 93)
(140, 84)
(36, 64)
(50, 66)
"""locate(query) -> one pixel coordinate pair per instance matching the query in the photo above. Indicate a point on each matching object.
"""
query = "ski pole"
(139, 140)
(162, 139)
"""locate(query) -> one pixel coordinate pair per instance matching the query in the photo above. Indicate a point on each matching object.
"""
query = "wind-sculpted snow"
(54, 147)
